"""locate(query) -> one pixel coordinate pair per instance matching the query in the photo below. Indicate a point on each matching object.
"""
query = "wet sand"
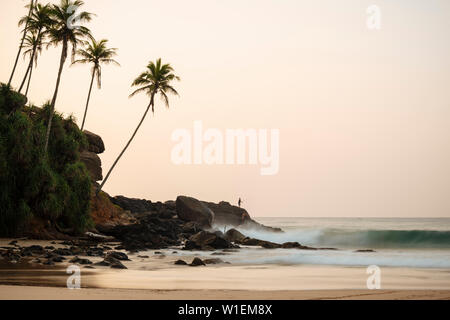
(156, 277)
(47, 293)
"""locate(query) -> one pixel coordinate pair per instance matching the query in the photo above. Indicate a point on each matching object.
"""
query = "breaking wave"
(359, 238)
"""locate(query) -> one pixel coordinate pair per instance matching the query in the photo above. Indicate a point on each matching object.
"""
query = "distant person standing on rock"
(240, 202)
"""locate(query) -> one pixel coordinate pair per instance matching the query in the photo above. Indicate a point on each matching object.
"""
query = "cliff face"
(103, 212)
(90, 156)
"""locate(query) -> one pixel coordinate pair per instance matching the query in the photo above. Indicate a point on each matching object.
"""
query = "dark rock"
(95, 252)
(181, 262)
(13, 243)
(291, 245)
(133, 205)
(213, 261)
(191, 227)
(95, 142)
(80, 261)
(76, 250)
(168, 214)
(57, 259)
(33, 250)
(118, 255)
(190, 209)
(205, 240)
(103, 264)
(143, 257)
(93, 164)
(234, 236)
(261, 243)
(63, 252)
(89, 267)
(49, 248)
(197, 262)
(229, 215)
(150, 232)
(171, 205)
(112, 262)
(365, 250)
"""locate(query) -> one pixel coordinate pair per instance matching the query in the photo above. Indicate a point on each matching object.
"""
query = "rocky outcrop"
(105, 214)
(134, 205)
(226, 214)
(233, 235)
(93, 164)
(204, 240)
(95, 142)
(197, 262)
(229, 215)
(151, 231)
(90, 156)
(190, 209)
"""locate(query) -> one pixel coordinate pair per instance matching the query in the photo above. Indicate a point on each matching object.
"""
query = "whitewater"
(418, 243)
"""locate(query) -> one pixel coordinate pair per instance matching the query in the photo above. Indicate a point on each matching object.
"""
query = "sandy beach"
(46, 293)
(153, 275)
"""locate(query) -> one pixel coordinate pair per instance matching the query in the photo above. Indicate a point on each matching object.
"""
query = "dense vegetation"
(55, 187)
(41, 176)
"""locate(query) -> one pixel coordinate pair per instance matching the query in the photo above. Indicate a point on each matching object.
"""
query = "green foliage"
(56, 187)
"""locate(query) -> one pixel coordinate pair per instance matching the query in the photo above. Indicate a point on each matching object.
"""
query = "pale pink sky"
(364, 115)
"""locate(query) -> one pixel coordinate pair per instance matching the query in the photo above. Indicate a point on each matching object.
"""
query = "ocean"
(418, 243)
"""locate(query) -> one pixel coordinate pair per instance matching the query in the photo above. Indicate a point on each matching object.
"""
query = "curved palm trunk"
(87, 102)
(30, 65)
(128, 144)
(21, 43)
(55, 95)
(29, 81)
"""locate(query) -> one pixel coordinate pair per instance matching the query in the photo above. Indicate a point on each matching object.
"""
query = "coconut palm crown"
(95, 53)
(156, 79)
(64, 32)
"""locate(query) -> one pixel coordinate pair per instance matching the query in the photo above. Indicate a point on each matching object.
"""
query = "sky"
(363, 115)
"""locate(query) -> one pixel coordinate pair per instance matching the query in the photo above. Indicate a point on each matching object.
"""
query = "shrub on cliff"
(53, 188)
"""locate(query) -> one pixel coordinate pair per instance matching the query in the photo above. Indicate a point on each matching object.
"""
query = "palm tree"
(33, 47)
(63, 33)
(25, 30)
(97, 54)
(38, 24)
(156, 79)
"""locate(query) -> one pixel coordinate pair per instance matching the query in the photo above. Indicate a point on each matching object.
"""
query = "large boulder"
(233, 235)
(95, 142)
(93, 164)
(205, 240)
(227, 214)
(190, 209)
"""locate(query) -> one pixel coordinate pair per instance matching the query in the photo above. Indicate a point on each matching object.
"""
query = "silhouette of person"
(240, 202)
